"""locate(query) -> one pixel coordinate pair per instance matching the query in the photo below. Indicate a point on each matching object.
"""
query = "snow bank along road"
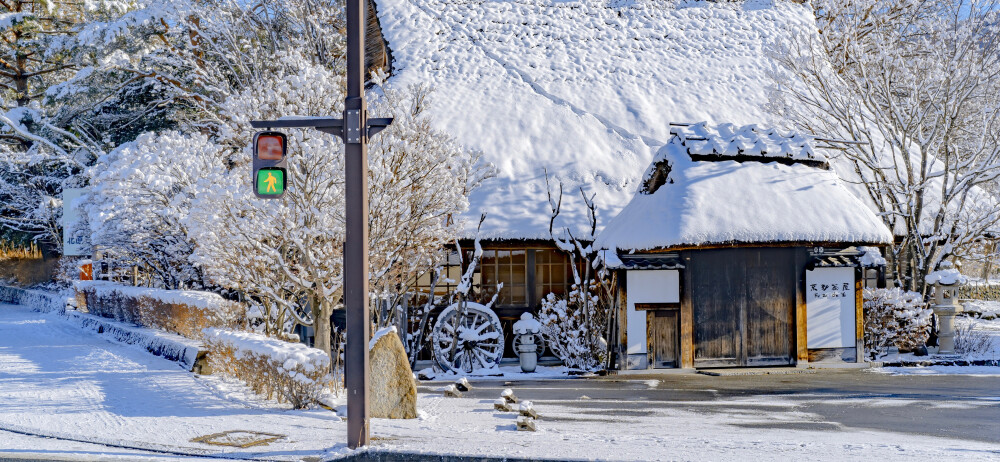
(105, 401)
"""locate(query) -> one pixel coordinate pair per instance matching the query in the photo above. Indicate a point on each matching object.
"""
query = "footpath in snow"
(59, 380)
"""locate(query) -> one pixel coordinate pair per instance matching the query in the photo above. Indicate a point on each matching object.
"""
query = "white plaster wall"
(830, 314)
(649, 286)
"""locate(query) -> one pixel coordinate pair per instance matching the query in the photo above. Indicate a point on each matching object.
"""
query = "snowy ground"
(60, 381)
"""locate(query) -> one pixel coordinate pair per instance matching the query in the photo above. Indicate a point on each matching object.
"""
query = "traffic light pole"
(356, 367)
(355, 129)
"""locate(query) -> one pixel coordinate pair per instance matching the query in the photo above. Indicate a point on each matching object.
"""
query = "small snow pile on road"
(290, 372)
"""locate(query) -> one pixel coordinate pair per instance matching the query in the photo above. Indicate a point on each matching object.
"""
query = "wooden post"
(687, 315)
(859, 317)
(801, 327)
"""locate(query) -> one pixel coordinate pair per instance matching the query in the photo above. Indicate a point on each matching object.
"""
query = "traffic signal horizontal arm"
(313, 122)
(323, 124)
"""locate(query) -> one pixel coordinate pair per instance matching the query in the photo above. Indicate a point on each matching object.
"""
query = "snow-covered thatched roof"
(584, 89)
(691, 197)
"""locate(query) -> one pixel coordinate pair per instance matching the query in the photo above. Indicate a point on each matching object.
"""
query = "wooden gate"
(663, 329)
(743, 305)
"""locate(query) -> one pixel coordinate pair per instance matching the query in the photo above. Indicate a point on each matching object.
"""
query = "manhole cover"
(238, 438)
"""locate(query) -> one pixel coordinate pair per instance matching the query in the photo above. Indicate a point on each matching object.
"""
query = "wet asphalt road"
(953, 406)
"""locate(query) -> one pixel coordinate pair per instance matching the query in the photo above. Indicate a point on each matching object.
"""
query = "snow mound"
(585, 90)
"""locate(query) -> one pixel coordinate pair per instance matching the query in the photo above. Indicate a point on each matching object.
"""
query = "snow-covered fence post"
(946, 282)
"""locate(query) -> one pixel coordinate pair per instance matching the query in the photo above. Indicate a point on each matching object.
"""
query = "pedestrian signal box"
(270, 166)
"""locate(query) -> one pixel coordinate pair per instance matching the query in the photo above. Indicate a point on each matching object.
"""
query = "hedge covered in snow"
(38, 300)
(288, 372)
(183, 312)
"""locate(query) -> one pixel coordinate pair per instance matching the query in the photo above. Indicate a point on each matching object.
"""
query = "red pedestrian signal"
(270, 167)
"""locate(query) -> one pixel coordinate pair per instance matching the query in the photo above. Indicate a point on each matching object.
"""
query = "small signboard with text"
(74, 244)
(830, 308)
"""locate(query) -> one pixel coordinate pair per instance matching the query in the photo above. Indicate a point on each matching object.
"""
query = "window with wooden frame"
(553, 274)
(509, 267)
(451, 275)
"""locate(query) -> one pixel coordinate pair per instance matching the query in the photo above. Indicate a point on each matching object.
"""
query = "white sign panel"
(830, 319)
(72, 245)
(647, 286)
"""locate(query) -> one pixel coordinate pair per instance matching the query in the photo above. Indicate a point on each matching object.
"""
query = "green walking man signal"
(270, 165)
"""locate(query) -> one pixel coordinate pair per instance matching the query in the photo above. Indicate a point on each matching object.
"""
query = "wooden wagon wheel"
(479, 343)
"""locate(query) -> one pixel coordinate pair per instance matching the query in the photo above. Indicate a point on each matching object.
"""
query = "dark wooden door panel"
(663, 333)
(743, 304)
(770, 306)
(716, 302)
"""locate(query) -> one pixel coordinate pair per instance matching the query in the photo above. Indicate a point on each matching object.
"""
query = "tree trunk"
(321, 322)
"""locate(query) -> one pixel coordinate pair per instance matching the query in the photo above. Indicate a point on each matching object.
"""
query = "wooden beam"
(859, 315)
(686, 314)
(801, 332)
(657, 306)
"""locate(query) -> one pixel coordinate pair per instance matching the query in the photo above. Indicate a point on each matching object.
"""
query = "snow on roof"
(728, 141)
(583, 89)
(730, 202)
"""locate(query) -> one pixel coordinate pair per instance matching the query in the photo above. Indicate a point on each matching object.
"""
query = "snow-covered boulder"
(393, 389)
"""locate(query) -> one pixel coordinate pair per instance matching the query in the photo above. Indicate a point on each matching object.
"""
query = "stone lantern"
(526, 329)
(946, 281)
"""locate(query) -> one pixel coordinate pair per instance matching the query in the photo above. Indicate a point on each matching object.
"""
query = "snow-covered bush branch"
(894, 317)
(288, 372)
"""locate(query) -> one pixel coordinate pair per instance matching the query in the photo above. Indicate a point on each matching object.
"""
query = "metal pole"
(356, 245)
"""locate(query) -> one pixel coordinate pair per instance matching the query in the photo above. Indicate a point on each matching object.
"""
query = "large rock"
(393, 393)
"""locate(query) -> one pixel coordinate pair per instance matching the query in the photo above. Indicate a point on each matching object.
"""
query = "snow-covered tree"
(291, 251)
(42, 148)
(916, 84)
(140, 196)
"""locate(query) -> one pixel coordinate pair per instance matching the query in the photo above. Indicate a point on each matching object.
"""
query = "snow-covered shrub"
(972, 342)
(275, 369)
(184, 312)
(564, 326)
(895, 317)
(141, 194)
